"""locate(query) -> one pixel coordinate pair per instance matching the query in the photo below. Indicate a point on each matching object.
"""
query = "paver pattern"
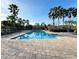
(61, 48)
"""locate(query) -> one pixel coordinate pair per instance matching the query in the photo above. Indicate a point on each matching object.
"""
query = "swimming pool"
(36, 34)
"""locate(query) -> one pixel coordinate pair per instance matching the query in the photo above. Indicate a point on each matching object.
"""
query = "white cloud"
(21, 6)
(4, 8)
(5, 3)
(3, 16)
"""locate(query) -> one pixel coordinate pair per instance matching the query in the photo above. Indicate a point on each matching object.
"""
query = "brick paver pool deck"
(60, 48)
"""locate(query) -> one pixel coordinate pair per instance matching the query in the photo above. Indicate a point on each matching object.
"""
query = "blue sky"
(35, 10)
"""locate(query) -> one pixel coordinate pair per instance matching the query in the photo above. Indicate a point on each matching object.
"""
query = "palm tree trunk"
(69, 25)
(63, 20)
(53, 22)
(58, 21)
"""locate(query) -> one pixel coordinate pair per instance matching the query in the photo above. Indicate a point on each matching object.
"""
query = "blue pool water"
(36, 34)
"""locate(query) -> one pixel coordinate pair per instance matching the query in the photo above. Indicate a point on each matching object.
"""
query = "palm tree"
(57, 12)
(70, 22)
(63, 14)
(70, 13)
(20, 21)
(74, 12)
(69, 10)
(27, 21)
(13, 9)
(14, 12)
(51, 15)
(59, 15)
(11, 19)
(24, 22)
(43, 24)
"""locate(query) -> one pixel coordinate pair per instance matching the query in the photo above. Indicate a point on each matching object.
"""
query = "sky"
(35, 10)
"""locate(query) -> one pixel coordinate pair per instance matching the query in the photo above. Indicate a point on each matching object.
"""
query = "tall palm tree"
(14, 12)
(69, 10)
(57, 12)
(24, 21)
(52, 16)
(74, 12)
(59, 15)
(27, 21)
(13, 9)
(63, 14)
(20, 21)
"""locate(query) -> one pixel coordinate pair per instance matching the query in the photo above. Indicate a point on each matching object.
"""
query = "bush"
(61, 28)
(29, 27)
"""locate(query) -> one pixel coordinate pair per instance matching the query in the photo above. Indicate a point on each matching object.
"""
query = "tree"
(24, 21)
(20, 21)
(74, 12)
(37, 24)
(13, 9)
(11, 19)
(63, 14)
(72, 22)
(27, 21)
(55, 13)
(58, 12)
(70, 14)
(43, 24)
(70, 10)
(51, 15)
(14, 12)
